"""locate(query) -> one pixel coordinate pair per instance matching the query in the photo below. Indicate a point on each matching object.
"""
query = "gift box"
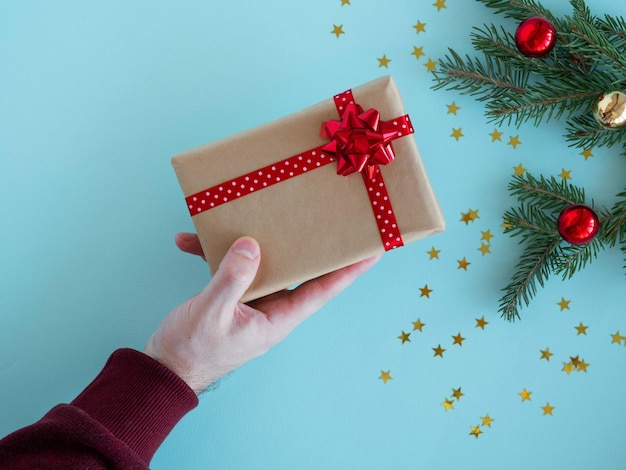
(320, 189)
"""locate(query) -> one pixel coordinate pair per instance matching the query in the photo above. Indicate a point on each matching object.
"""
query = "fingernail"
(247, 247)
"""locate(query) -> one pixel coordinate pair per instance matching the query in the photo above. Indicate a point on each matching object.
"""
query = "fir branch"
(570, 259)
(585, 132)
(614, 229)
(481, 80)
(546, 194)
(614, 28)
(533, 267)
(529, 222)
(520, 9)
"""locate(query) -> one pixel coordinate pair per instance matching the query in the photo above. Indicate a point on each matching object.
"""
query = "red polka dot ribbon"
(359, 142)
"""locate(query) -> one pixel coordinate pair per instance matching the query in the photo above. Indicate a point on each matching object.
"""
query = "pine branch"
(481, 80)
(547, 194)
(584, 132)
(570, 259)
(519, 9)
(533, 267)
(615, 226)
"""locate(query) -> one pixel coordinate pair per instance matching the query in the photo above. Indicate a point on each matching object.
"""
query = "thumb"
(236, 271)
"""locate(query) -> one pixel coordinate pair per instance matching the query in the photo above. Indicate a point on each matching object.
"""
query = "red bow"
(360, 141)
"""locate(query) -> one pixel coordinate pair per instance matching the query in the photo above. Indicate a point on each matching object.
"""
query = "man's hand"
(212, 334)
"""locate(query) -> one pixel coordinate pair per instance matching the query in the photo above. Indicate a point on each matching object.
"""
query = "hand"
(213, 333)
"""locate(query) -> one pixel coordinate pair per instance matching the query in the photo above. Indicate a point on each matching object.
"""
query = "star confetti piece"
(438, 351)
(418, 325)
(345, 2)
(404, 337)
(545, 354)
(568, 367)
(457, 393)
(581, 329)
(514, 141)
(487, 420)
(385, 376)
(463, 264)
(485, 248)
(564, 304)
(617, 338)
(582, 366)
(433, 254)
(419, 27)
(457, 133)
(475, 431)
(547, 410)
(425, 291)
(452, 108)
(487, 236)
(519, 170)
(383, 61)
(430, 65)
(337, 30)
(525, 394)
(458, 339)
(469, 216)
(587, 153)
(440, 4)
(566, 174)
(417, 52)
(496, 135)
(448, 404)
(481, 322)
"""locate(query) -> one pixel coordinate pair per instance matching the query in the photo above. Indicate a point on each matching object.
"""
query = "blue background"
(94, 100)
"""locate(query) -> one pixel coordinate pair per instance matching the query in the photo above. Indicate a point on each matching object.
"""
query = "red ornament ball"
(578, 224)
(535, 37)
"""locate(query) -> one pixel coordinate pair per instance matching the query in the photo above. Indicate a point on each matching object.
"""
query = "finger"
(235, 273)
(189, 243)
(309, 297)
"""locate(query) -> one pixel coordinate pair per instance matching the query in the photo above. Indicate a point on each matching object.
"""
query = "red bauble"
(578, 224)
(535, 37)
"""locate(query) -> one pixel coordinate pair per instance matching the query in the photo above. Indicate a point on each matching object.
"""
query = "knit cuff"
(138, 399)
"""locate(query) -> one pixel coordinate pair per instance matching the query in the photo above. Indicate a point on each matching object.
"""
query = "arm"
(122, 417)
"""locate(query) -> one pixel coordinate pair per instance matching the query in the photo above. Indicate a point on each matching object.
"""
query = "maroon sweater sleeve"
(117, 422)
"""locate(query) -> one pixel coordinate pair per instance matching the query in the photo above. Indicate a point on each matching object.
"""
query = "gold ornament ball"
(610, 109)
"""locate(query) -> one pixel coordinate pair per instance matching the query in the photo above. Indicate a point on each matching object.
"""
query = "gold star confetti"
(496, 135)
(525, 394)
(506, 225)
(582, 329)
(514, 141)
(469, 216)
(487, 236)
(440, 4)
(431, 65)
(574, 361)
(564, 304)
(452, 108)
(475, 431)
(481, 322)
(345, 2)
(487, 420)
(568, 367)
(547, 410)
(519, 169)
(438, 351)
(337, 30)
(458, 339)
(404, 337)
(417, 52)
(582, 366)
(545, 354)
(566, 174)
(425, 291)
(457, 133)
(587, 153)
(463, 264)
(617, 338)
(383, 61)
(448, 404)
(484, 248)
(434, 254)
(418, 325)
(385, 376)
(419, 27)
(457, 393)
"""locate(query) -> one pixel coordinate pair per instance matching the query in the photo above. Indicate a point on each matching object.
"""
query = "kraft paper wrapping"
(316, 222)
